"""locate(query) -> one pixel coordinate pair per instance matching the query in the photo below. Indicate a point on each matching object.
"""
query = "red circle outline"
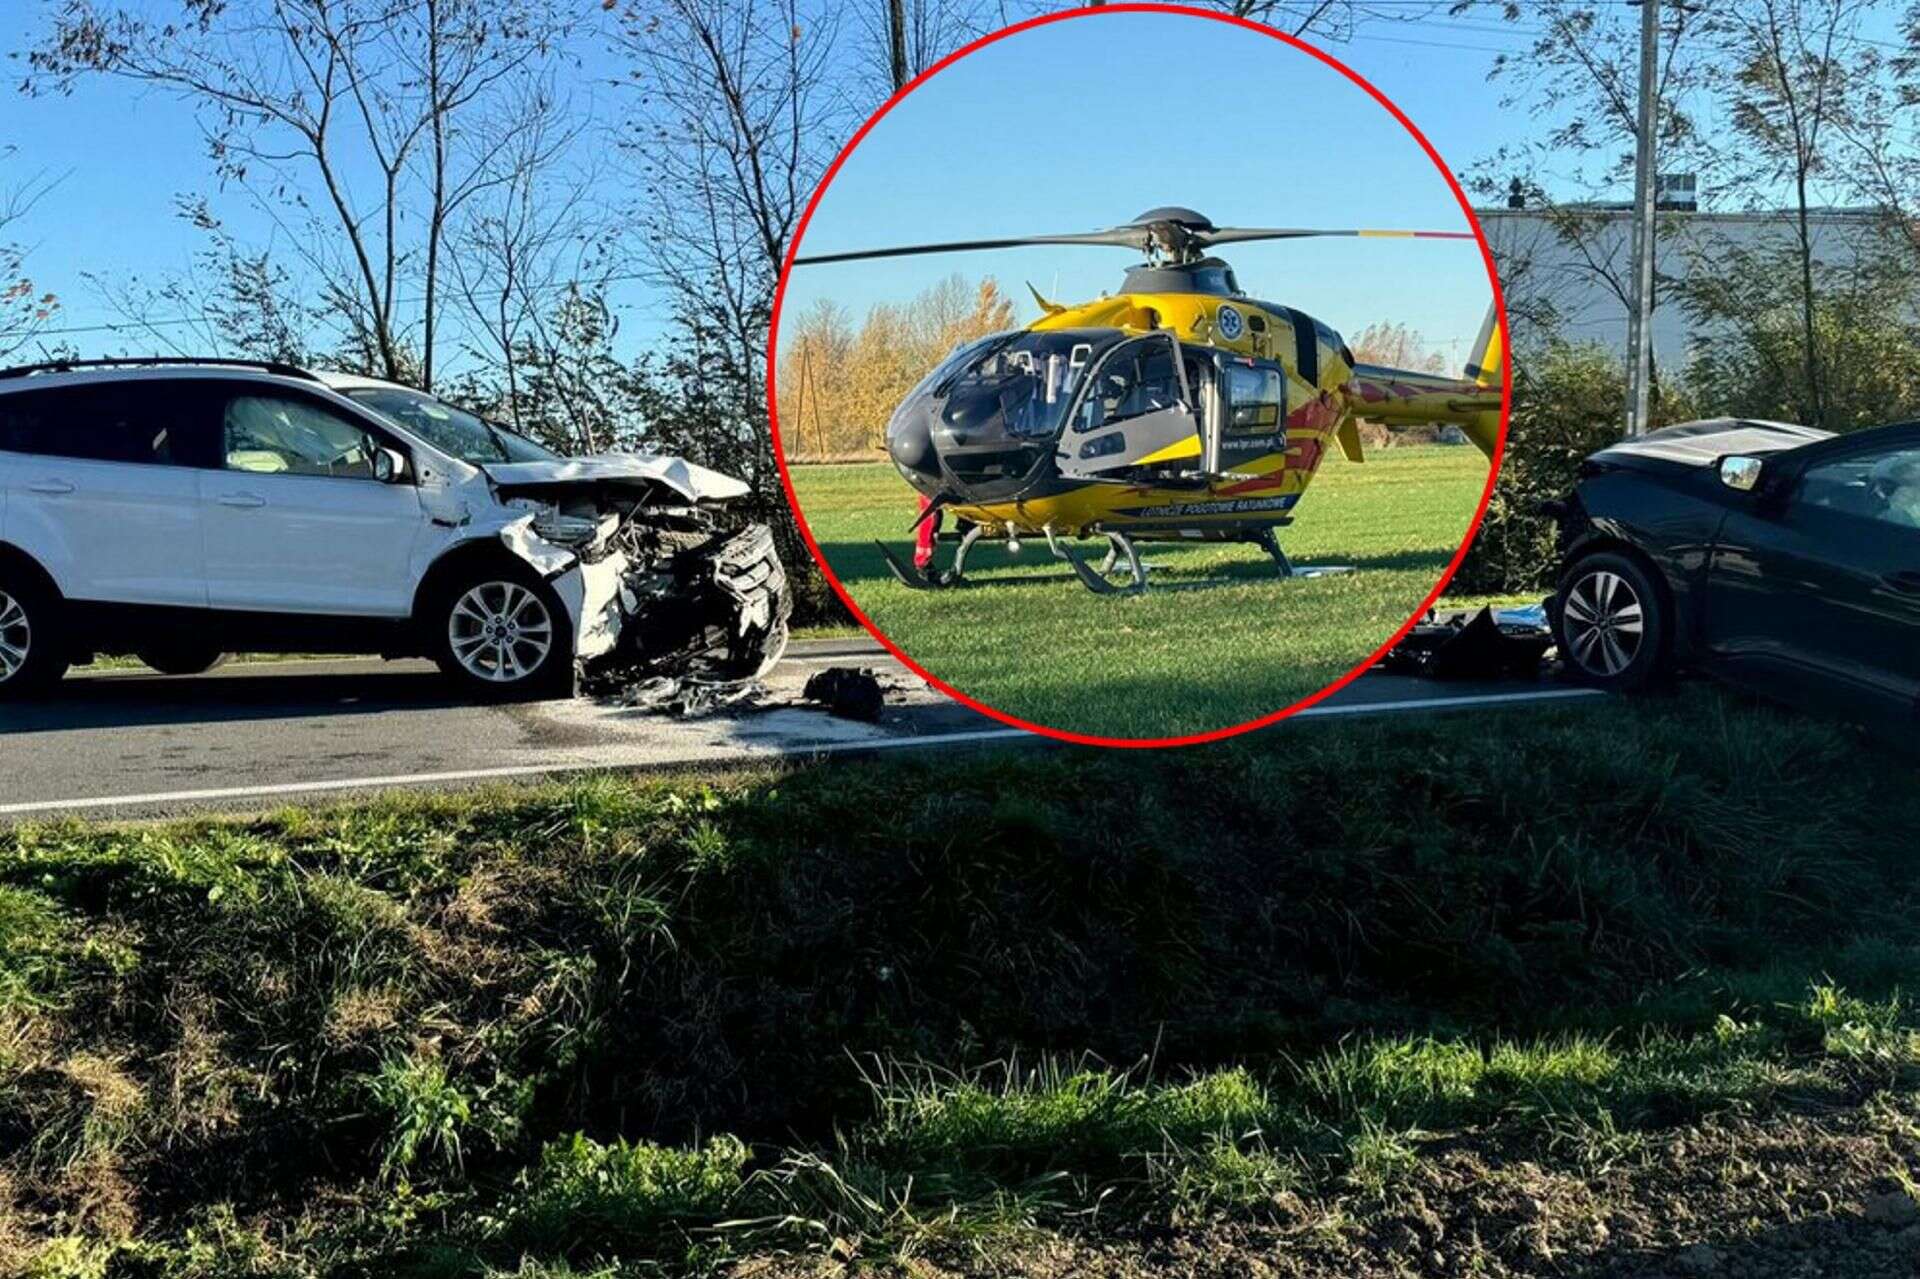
(1089, 739)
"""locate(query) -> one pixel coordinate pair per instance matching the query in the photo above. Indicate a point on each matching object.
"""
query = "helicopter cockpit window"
(960, 355)
(1256, 399)
(1132, 383)
(1025, 379)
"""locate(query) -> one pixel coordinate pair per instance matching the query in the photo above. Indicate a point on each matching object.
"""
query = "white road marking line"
(1445, 703)
(787, 752)
(511, 771)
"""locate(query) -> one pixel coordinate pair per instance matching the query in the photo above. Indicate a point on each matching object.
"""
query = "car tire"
(180, 657)
(33, 650)
(501, 633)
(1611, 623)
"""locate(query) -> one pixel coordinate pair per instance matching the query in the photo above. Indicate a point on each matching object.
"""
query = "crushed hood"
(695, 483)
(1701, 444)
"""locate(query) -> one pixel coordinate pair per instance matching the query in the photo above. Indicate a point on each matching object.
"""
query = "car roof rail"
(279, 367)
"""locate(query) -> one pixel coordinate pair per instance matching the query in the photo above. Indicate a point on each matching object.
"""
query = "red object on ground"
(924, 536)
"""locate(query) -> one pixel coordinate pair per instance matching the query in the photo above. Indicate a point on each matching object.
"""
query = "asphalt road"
(134, 744)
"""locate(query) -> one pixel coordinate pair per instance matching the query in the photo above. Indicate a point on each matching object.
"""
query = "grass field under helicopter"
(1026, 639)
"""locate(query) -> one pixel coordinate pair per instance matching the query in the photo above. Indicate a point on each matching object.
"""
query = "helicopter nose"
(910, 445)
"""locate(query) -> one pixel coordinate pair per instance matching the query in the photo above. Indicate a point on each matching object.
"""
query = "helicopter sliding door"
(1138, 409)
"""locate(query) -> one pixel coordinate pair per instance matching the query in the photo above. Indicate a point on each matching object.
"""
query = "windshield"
(453, 431)
(958, 358)
(1025, 380)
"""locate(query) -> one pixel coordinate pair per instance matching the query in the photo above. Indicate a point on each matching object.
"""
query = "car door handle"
(1906, 581)
(50, 487)
(245, 501)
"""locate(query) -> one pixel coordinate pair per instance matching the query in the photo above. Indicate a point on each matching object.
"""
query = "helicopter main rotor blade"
(1121, 237)
(1239, 234)
(1180, 240)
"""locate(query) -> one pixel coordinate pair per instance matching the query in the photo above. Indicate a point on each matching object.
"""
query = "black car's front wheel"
(1611, 623)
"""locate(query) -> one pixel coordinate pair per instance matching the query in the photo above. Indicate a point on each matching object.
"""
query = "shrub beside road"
(1494, 991)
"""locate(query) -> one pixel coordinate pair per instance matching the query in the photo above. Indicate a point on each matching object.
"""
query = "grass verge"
(957, 1008)
(1215, 642)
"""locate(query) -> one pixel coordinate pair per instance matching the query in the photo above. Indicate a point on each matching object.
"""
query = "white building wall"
(1574, 272)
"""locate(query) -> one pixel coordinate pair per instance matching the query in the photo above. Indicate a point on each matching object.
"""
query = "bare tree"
(359, 102)
(734, 126)
(1579, 79)
(1328, 19)
(1784, 98)
(236, 300)
(1580, 75)
(533, 228)
(899, 39)
(24, 308)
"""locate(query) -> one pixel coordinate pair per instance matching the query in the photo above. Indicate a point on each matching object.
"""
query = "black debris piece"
(1481, 645)
(847, 693)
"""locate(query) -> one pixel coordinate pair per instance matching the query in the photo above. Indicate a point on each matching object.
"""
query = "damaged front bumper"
(713, 608)
(657, 575)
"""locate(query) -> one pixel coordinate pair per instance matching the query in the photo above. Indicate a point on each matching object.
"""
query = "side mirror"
(389, 466)
(1741, 474)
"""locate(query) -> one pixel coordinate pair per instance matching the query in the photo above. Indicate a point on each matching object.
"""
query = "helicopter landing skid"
(1267, 542)
(1119, 545)
(915, 578)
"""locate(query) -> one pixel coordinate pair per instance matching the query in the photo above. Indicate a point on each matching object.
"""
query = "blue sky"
(116, 156)
(1064, 128)
(1082, 124)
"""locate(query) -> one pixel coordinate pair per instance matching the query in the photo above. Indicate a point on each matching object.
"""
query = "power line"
(175, 321)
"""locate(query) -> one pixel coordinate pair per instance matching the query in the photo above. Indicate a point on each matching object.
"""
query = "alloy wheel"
(500, 632)
(1604, 623)
(16, 636)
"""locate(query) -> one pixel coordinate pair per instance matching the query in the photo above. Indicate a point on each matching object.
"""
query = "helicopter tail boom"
(1403, 397)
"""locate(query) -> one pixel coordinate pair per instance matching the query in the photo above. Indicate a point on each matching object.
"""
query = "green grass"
(633, 1027)
(1214, 642)
(123, 662)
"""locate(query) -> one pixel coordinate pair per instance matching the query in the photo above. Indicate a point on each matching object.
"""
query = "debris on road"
(697, 602)
(847, 693)
(689, 698)
(1482, 645)
(841, 691)
(706, 617)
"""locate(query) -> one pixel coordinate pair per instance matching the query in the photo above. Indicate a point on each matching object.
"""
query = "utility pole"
(1640, 317)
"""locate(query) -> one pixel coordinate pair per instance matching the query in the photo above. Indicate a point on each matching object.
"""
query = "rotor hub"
(1173, 235)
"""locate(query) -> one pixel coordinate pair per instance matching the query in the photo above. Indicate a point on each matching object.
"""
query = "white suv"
(181, 510)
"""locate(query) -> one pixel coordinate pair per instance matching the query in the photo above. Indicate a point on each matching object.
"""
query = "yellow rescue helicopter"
(1179, 409)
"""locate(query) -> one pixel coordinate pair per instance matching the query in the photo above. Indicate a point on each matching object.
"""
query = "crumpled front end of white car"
(659, 576)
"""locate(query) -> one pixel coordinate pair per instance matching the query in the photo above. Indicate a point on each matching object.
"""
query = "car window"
(282, 435)
(1883, 485)
(454, 431)
(124, 422)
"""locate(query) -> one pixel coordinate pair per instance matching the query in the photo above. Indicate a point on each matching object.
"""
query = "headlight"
(566, 530)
